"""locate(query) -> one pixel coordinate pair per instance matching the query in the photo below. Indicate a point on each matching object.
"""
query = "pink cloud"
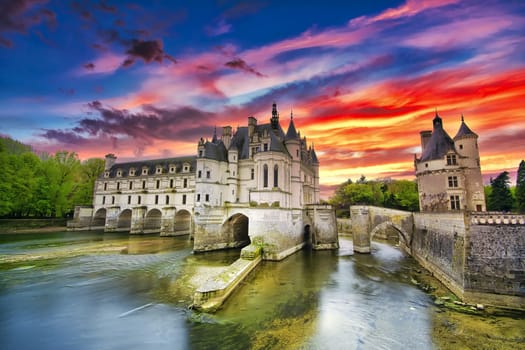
(108, 63)
(462, 32)
(410, 8)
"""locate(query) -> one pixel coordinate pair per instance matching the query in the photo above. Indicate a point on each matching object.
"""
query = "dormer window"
(159, 170)
(119, 173)
(201, 153)
(185, 168)
(106, 174)
(172, 169)
(451, 159)
(144, 171)
(132, 172)
(265, 147)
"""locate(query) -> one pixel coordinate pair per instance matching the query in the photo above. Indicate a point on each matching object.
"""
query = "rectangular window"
(265, 147)
(252, 173)
(208, 174)
(158, 184)
(143, 184)
(103, 199)
(452, 181)
(138, 200)
(167, 199)
(105, 186)
(112, 199)
(199, 174)
(118, 186)
(451, 159)
(185, 183)
(198, 197)
(183, 199)
(156, 199)
(130, 185)
(129, 199)
(454, 203)
(207, 197)
(171, 183)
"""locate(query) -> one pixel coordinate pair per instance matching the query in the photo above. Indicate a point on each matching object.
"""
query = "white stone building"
(255, 184)
(448, 171)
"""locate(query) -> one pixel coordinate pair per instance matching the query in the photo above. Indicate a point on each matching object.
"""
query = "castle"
(258, 184)
(448, 171)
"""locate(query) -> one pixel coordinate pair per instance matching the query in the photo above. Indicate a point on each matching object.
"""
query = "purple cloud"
(240, 64)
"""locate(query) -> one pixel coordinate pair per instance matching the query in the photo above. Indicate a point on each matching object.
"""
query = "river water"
(114, 291)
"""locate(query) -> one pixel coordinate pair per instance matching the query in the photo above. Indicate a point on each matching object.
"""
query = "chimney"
(227, 136)
(425, 136)
(110, 161)
(252, 123)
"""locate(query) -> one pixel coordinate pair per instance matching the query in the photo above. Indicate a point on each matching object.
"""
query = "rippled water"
(113, 291)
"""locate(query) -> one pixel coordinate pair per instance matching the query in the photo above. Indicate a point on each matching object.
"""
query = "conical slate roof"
(464, 130)
(291, 133)
(439, 144)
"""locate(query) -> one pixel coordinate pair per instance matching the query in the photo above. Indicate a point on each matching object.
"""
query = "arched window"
(265, 175)
(275, 176)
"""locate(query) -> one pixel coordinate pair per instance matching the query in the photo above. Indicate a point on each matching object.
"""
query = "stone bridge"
(367, 221)
(479, 256)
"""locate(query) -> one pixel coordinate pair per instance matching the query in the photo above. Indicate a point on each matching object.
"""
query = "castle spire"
(214, 139)
(275, 117)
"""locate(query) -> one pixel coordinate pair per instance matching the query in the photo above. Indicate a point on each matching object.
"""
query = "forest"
(44, 185)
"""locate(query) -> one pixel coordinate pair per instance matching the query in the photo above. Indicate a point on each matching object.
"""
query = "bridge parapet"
(489, 218)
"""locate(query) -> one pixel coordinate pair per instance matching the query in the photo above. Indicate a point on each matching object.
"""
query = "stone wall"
(438, 244)
(344, 226)
(324, 227)
(495, 263)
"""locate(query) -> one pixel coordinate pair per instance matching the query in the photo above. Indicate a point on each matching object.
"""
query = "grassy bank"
(32, 225)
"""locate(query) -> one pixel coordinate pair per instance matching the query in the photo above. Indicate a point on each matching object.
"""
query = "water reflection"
(100, 291)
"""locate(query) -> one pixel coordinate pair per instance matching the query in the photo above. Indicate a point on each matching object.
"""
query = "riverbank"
(457, 325)
(46, 225)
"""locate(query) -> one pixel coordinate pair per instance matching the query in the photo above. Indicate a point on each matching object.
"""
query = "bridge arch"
(152, 221)
(182, 222)
(124, 220)
(402, 234)
(236, 228)
(99, 219)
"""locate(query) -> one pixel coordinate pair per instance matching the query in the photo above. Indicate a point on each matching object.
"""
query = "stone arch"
(152, 221)
(236, 228)
(308, 236)
(99, 219)
(124, 220)
(403, 235)
(182, 222)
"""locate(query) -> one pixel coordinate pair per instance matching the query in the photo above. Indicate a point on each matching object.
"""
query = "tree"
(501, 198)
(89, 171)
(520, 187)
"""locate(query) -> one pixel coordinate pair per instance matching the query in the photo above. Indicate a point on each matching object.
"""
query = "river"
(113, 291)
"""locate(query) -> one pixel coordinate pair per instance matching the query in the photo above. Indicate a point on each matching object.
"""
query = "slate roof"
(464, 130)
(215, 150)
(439, 144)
(313, 156)
(152, 164)
(291, 133)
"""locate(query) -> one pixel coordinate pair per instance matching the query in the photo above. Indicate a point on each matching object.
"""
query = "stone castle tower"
(448, 171)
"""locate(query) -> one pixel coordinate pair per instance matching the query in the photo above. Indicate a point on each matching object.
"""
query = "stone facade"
(255, 185)
(448, 171)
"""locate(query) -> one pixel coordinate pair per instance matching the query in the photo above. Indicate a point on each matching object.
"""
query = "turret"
(466, 141)
(110, 160)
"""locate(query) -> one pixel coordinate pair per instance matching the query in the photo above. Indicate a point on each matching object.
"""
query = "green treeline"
(395, 194)
(44, 185)
(501, 196)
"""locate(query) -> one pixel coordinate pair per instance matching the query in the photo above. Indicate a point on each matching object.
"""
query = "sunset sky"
(147, 79)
